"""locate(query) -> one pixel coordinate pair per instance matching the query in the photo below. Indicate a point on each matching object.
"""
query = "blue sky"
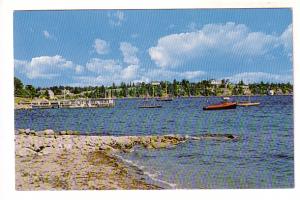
(99, 47)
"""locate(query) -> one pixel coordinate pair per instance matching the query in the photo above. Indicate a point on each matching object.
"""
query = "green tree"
(175, 88)
(18, 87)
(30, 91)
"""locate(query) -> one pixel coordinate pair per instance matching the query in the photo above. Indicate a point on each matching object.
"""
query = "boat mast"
(64, 93)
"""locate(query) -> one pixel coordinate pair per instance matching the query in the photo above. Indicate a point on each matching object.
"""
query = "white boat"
(247, 103)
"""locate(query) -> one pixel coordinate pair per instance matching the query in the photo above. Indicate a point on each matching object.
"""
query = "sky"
(101, 47)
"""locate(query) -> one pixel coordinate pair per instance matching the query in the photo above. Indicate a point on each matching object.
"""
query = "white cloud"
(101, 66)
(129, 53)
(286, 39)
(79, 69)
(255, 77)
(101, 46)
(108, 71)
(116, 18)
(44, 67)
(130, 72)
(164, 74)
(225, 39)
(46, 34)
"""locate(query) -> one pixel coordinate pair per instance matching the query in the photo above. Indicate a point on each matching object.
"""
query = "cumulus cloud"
(100, 66)
(255, 77)
(286, 40)
(130, 72)
(116, 18)
(129, 53)
(101, 46)
(79, 69)
(164, 74)
(224, 39)
(108, 71)
(44, 66)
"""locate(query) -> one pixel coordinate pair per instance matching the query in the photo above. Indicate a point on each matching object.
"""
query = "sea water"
(262, 157)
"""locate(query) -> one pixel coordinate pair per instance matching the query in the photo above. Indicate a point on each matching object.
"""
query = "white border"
(7, 173)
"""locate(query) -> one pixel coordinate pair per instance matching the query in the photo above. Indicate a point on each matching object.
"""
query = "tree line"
(163, 88)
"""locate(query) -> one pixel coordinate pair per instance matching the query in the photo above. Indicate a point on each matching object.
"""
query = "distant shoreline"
(26, 106)
(178, 97)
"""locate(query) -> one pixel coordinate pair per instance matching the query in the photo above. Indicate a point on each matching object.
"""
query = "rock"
(69, 132)
(48, 132)
(32, 132)
(230, 136)
(62, 132)
(39, 149)
(159, 145)
(25, 152)
(48, 150)
(21, 131)
(27, 131)
(76, 133)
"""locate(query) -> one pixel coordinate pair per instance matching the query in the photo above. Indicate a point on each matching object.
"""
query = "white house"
(271, 92)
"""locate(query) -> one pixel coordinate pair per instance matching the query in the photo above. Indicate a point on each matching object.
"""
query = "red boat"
(221, 106)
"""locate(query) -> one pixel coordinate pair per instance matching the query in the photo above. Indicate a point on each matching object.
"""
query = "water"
(263, 157)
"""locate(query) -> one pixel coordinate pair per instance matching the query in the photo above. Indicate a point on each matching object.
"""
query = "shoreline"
(48, 160)
(27, 107)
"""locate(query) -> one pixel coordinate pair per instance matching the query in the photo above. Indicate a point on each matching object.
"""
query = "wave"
(151, 175)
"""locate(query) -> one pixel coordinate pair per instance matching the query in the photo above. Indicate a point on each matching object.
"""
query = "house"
(155, 83)
(216, 82)
(246, 89)
(271, 92)
(51, 94)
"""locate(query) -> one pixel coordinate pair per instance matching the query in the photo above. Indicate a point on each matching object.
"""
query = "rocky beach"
(66, 160)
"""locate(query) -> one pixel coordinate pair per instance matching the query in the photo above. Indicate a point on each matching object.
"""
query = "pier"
(71, 103)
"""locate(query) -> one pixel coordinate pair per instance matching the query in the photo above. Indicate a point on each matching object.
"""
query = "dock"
(70, 103)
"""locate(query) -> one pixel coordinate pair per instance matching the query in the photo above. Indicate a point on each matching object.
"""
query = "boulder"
(21, 131)
(69, 132)
(48, 132)
(62, 132)
(32, 132)
(27, 131)
(76, 133)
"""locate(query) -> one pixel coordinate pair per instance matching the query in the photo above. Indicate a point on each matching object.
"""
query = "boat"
(221, 106)
(164, 99)
(247, 103)
(149, 104)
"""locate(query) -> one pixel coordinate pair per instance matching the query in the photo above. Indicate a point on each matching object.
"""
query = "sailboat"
(247, 103)
(148, 104)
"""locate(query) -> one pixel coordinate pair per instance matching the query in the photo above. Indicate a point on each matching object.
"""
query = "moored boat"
(221, 106)
(247, 103)
(150, 106)
(226, 104)
(164, 99)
